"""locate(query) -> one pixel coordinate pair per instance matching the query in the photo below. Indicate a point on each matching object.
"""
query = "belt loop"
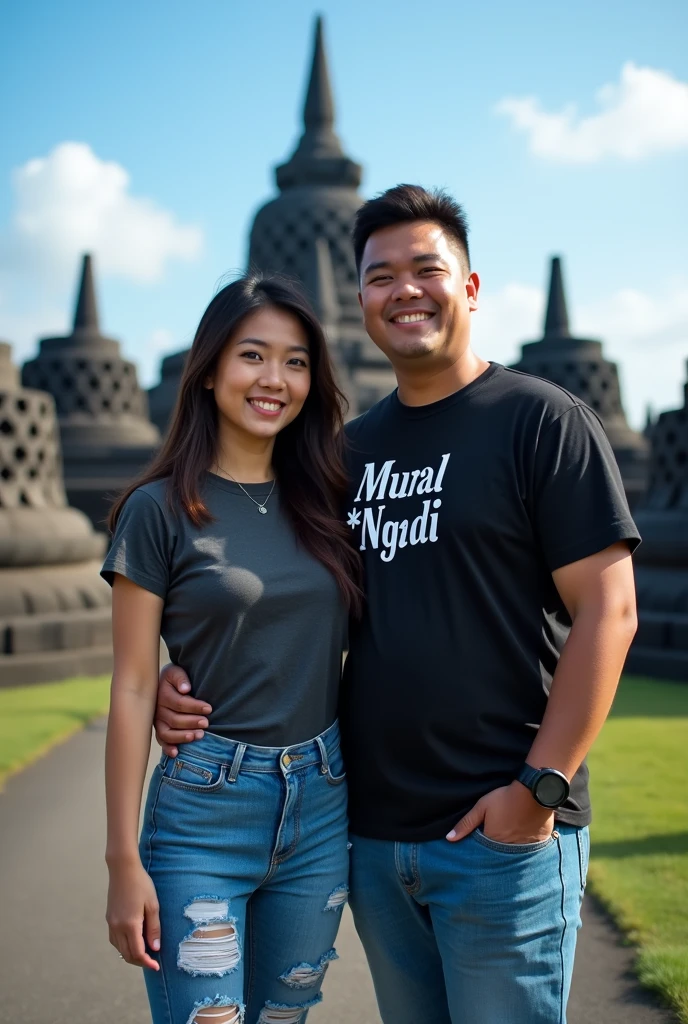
(236, 762)
(323, 754)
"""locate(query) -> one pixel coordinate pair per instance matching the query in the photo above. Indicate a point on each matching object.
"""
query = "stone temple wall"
(54, 607)
(660, 648)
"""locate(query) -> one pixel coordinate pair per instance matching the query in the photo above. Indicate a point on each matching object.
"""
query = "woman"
(231, 548)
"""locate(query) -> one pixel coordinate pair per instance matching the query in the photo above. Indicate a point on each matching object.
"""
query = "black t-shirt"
(462, 510)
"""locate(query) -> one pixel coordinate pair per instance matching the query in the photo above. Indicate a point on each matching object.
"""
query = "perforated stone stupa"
(579, 365)
(54, 608)
(305, 232)
(661, 645)
(106, 434)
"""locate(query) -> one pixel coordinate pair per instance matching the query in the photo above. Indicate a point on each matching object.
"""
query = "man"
(496, 537)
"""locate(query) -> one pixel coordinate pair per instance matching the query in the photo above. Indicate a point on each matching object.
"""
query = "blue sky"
(177, 114)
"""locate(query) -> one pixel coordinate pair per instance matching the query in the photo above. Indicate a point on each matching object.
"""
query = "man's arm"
(179, 718)
(599, 595)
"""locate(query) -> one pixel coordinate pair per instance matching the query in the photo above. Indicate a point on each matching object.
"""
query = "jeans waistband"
(236, 755)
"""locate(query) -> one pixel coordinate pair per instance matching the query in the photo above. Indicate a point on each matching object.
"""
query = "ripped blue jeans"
(247, 848)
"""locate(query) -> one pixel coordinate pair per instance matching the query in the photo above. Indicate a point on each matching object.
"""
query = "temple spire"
(556, 318)
(318, 113)
(319, 158)
(86, 313)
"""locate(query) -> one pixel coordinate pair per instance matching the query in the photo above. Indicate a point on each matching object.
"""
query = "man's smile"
(415, 317)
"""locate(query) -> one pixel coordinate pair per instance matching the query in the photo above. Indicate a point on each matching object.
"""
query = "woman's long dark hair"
(307, 457)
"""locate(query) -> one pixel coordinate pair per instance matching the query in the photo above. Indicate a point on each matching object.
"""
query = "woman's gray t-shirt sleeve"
(141, 545)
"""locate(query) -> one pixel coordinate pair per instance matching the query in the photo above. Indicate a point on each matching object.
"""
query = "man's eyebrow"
(382, 265)
(266, 344)
(424, 257)
(427, 256)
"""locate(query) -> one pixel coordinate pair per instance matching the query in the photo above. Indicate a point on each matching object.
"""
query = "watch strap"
(528, 776)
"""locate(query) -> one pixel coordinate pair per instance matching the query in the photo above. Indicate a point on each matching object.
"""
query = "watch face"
(551, 790)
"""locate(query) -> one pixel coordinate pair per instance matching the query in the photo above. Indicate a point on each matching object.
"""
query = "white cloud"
(645, 334)
(22, 328)
(70, 202)
(645, 113)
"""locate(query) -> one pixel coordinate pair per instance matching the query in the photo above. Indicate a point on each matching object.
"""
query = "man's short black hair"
(404, 204)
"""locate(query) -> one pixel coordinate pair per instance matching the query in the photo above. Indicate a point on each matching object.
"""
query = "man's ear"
(472, 289)
(360, 300)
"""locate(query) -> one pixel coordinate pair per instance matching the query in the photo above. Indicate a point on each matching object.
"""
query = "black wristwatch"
(548, 786)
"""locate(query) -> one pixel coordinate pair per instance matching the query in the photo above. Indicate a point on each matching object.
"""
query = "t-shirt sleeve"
(579, 504)
(141, 545)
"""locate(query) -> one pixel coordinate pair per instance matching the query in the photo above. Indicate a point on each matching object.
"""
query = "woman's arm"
(136, 615)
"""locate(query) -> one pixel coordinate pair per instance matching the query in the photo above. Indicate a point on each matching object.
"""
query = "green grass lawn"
(639, 863)
(35, 718)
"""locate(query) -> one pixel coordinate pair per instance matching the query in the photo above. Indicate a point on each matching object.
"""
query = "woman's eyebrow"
(266, 344)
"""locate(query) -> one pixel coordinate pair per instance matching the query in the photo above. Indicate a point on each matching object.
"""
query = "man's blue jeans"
(247, 847)
(474, 932)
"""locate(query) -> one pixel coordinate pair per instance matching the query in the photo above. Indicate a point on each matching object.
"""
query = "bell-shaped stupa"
(579, 365)
(305, 232)
(105, 431)
(660, 648)
(54, 608)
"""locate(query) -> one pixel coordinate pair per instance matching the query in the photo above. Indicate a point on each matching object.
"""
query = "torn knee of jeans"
(304, 975)
(217, 1010)
(337, 898)
(282, 1013)
(212, 947)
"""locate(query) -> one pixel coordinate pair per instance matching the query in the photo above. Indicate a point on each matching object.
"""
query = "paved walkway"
(56, 966)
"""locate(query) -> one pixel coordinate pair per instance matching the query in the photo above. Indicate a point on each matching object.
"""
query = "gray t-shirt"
(258, 624)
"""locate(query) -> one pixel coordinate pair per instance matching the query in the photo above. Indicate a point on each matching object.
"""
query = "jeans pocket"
(494, 844)
(336, 773)
(194, 774)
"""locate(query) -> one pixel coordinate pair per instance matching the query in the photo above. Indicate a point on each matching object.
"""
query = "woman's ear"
(208, 383)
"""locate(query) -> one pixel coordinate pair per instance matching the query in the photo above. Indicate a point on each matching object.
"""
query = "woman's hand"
(132, 914)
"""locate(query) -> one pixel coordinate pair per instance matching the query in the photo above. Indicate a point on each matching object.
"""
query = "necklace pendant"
(262, 509)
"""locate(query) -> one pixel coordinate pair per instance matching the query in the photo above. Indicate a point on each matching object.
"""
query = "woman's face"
(263, 374)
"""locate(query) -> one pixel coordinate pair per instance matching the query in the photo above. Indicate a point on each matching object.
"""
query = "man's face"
(416, 294)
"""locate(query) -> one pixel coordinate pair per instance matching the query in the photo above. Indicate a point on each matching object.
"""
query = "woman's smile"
(266, 406)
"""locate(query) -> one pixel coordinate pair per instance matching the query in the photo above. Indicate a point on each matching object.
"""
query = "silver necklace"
(261, 505)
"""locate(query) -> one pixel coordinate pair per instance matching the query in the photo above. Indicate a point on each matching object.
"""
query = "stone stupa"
(106, 434)
(579, 365)
(305, 232)
(660, 648)
(54, 607)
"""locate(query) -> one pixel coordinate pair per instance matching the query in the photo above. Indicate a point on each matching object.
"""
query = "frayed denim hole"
(283, 1013)
(305, 975)
(210, 949)
(204, 909)
(217, 1010)
(337, 898)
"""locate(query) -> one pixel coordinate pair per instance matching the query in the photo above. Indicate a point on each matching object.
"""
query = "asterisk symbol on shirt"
(354, 518)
